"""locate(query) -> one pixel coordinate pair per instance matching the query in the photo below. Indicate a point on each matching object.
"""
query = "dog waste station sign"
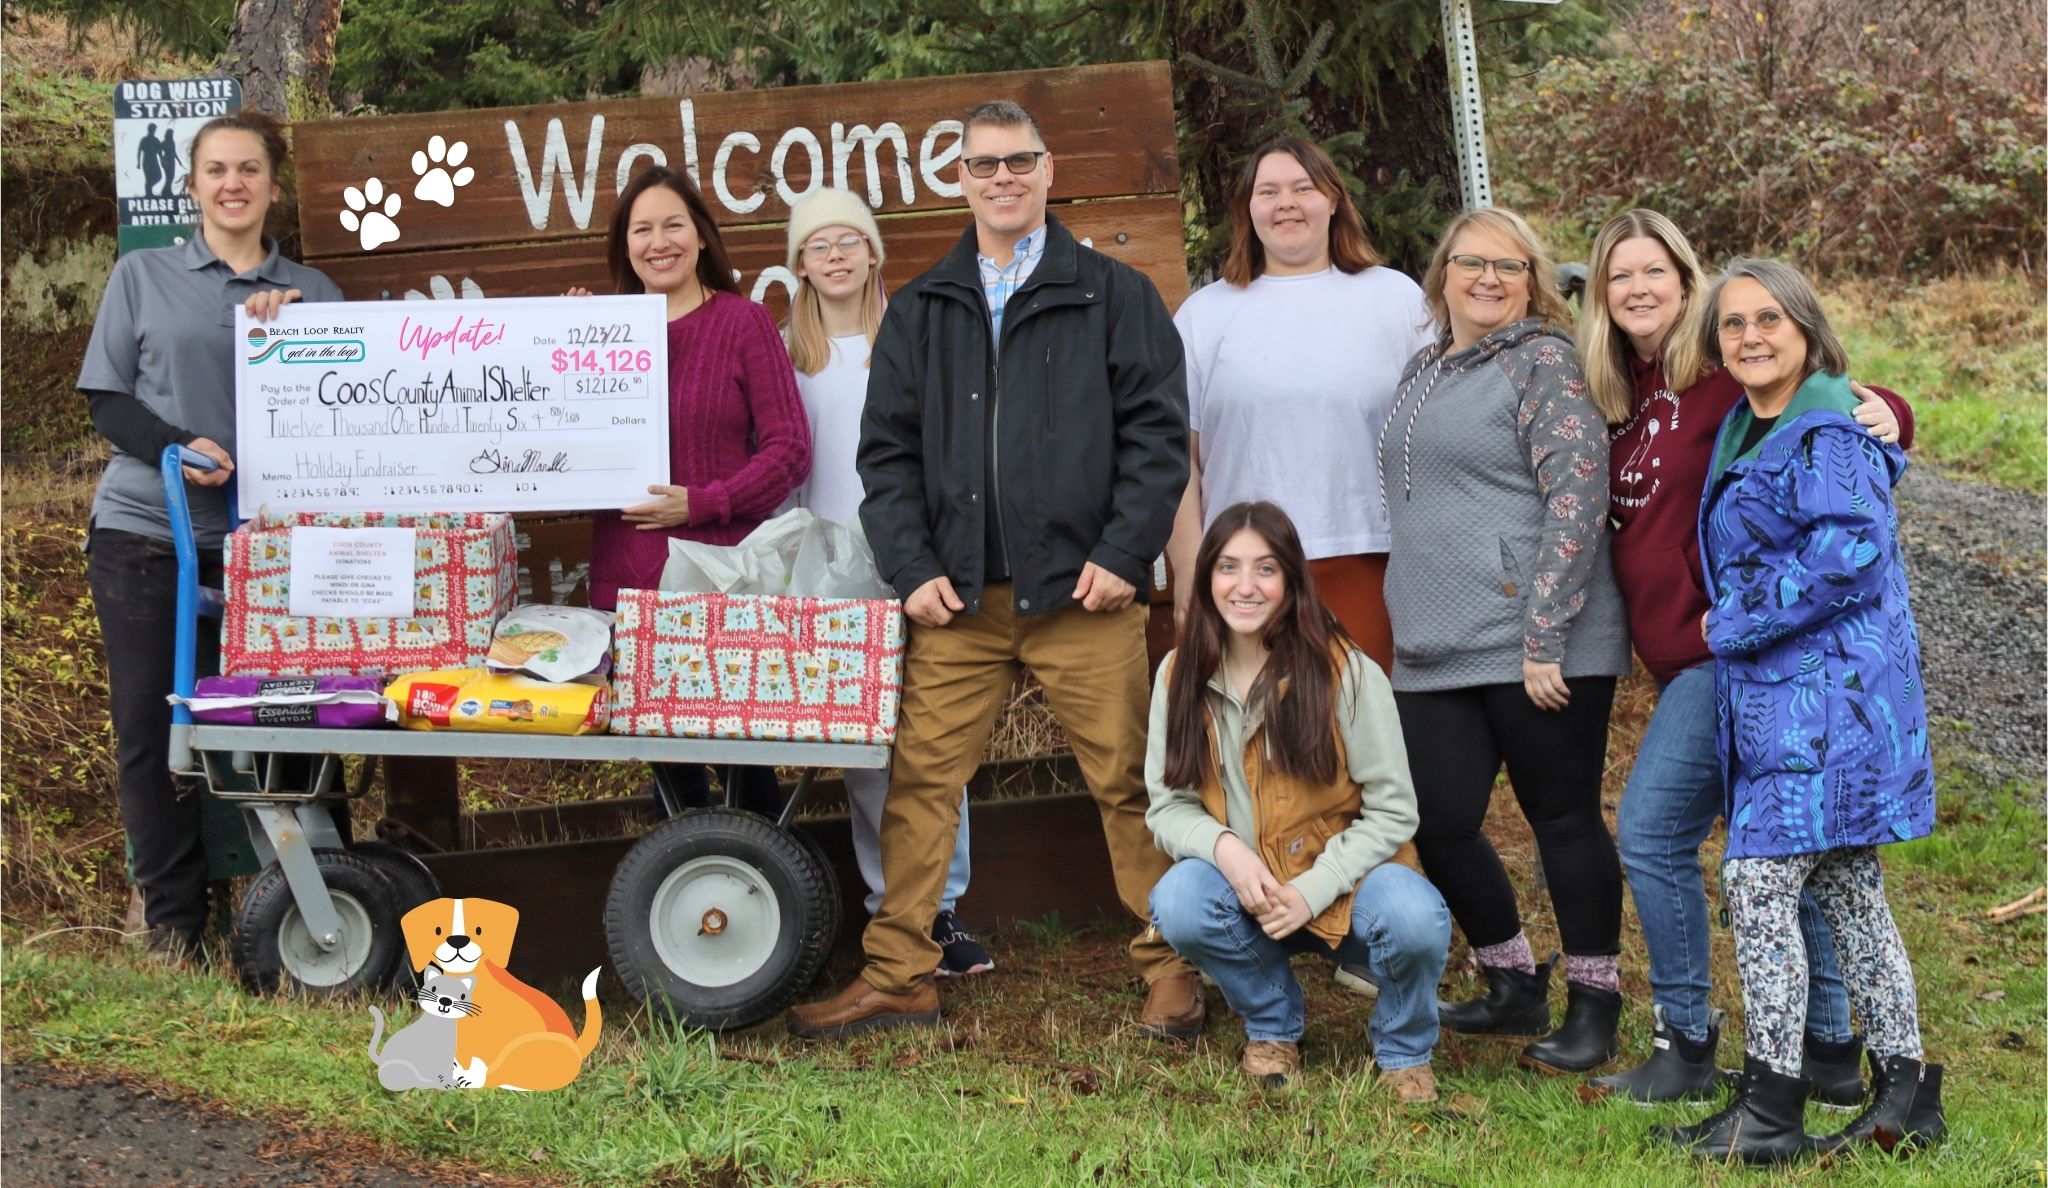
(516, 202)
(154, 122)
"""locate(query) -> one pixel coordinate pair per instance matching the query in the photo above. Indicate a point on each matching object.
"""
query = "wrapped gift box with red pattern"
(463, 583)
(756, 666)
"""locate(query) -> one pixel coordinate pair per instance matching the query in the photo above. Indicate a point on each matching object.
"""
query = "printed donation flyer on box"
(352, 573)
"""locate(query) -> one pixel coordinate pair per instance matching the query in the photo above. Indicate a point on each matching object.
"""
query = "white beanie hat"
(830, 207)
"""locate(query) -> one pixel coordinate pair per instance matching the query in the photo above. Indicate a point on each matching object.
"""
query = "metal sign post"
(1468, 113)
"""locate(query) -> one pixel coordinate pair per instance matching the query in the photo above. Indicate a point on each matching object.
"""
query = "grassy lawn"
(1966, 353)
(1040, 1079)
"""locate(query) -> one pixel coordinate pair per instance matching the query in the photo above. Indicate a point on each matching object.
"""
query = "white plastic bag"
(794, 553)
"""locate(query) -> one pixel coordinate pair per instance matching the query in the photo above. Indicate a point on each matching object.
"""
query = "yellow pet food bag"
(477, 699)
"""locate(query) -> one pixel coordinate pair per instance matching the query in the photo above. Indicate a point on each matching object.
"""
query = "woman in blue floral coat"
(1823, 725)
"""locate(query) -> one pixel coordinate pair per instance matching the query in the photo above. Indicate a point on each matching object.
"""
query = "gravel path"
(66, 1127)
(1980, 597)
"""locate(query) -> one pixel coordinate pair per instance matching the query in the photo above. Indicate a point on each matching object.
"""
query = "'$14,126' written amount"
(603, 373)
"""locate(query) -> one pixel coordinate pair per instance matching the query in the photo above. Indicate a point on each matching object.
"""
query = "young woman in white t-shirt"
(836, 253)
(1293, 358)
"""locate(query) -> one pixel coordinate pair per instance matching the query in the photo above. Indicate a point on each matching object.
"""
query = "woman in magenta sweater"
(739, 442)
(1640, 350)
(737, 437)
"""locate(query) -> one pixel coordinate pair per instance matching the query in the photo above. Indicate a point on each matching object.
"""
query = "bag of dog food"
(328, 701)
(505, 703)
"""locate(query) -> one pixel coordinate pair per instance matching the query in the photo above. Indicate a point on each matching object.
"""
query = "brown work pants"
(956, 679)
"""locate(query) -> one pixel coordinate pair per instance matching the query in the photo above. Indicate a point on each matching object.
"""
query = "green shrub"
(1827, 165)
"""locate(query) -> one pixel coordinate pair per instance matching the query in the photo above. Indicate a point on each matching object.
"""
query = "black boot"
(1905, 1107)
(1516, 1003)
(1835, 1070)
(1585, 1040)
(1763, 1124)
(1677, 1070)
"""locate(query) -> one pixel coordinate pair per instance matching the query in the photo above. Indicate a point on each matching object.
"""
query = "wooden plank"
(1032, 857)
(554, 559)
(551, 172)
(1142, 232)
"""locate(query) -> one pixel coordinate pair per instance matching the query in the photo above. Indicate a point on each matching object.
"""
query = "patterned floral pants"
(1848, 887)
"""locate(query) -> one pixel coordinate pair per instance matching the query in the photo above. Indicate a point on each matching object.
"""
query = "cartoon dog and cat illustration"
(496, 1031)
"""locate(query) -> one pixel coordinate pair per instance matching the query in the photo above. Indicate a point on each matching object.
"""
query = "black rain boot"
(1905, 1107)
(1835, 1070)
(1516, 1003)
(1765, 1123)
(1585, 1040)
(1677, 1070)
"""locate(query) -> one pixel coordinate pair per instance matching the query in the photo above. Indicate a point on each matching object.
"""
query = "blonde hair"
(810, 348)
(1604, 347)
(1545, 301)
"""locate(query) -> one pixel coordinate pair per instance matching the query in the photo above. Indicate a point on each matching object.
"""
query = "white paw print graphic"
(439, 289)
(436, 185)
(369, 213)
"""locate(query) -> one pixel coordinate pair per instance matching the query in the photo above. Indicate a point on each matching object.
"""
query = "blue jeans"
(1674, 795)
(1400, 929)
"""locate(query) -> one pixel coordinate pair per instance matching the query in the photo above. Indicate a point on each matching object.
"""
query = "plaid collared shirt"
(998, 283)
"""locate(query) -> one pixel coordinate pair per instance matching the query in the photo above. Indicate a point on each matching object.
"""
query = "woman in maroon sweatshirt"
(1640, 350)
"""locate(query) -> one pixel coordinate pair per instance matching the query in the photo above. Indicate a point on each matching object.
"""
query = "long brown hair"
(1298, 686)
(1350, 250)
(714, 267)
(1604, 348)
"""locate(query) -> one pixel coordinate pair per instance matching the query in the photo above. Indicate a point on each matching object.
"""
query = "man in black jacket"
(1024, 447)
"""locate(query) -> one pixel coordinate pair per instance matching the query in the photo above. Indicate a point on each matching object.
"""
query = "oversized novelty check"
(505, 404)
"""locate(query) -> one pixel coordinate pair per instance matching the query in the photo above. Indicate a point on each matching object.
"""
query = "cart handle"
(192, 600)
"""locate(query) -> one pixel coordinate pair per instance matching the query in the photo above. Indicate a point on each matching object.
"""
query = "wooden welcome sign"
(515, 202)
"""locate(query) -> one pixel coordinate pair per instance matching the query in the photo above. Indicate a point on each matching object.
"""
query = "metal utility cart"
(717, 915)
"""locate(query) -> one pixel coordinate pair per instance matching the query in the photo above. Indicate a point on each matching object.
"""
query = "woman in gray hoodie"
(1508, 627)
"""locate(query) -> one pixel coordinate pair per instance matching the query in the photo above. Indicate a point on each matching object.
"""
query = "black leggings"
(1456, 742)
(134, 583)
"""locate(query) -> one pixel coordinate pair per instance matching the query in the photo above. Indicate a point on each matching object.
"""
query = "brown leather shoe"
(1173, 1007)
(861, 1007)
(1274, 1065)
(1411, 1086)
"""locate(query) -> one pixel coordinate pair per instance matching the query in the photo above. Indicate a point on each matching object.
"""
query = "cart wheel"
(718, 916)
(415, 885)
(274, 948)
(834, 911)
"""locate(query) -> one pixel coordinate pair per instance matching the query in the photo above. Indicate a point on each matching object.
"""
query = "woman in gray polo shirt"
(158, 372)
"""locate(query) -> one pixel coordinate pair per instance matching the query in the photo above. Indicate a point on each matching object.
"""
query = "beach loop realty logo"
(280, 347)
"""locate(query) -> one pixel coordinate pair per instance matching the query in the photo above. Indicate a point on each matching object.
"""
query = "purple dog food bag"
(329, 701)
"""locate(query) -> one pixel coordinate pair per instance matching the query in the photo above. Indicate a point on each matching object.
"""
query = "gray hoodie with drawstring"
(1494, 464)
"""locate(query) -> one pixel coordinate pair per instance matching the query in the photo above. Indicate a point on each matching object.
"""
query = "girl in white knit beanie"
(836, 252)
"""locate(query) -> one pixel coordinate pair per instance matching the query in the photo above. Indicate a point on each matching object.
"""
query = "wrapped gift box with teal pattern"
(750, 666)
(463, 583)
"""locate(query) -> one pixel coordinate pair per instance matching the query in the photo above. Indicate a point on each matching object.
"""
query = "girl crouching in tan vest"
(1279, 784)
